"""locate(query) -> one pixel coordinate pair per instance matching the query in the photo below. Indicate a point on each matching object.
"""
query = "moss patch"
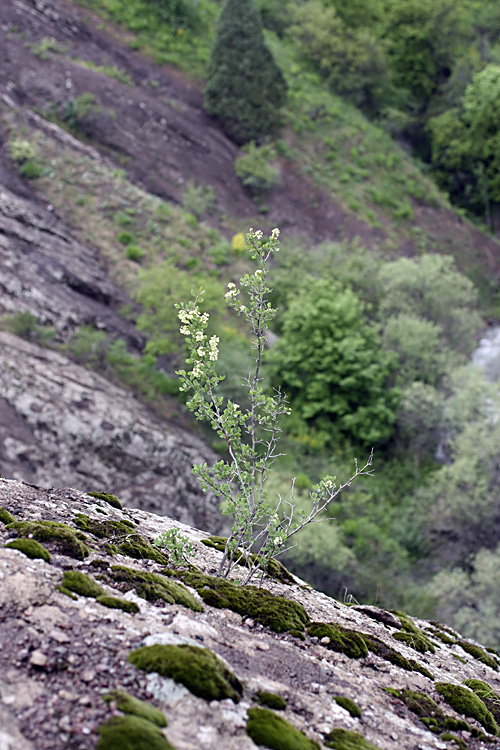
(343, 739)
(380, 648)
(130, 705)
(349, 705)
(271, 700)
(266, 728)
(153, 587)
(478, 653)
(66, 592)
(6, 517)
(131, 733)
(490, 699)
(81, 584)
(341, 639)
(274, 569)
(447, 737)
(443, 637)
(411, 635)
(30, 548)
(122, 537)
(65, 538)
(465, 702)
(110, 499)
(198, 669)
(275, 612)
(113, 602)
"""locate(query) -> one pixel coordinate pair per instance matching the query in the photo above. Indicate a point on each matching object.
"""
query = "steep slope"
(78, 628)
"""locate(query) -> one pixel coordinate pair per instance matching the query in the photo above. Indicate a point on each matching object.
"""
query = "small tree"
(245, 87)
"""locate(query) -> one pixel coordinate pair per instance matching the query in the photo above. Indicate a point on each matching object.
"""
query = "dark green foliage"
(349, 705)
(478, 653)
(153, 587)
(267, 729)
(114, 602)
(343, 739)
(490, 699)
(430, 713)
(6, 517)
(342, 639)
(131, 733)
(30, 548)
(245, 88)
(110, 499)
(122, 535)
(198, 669)
(380, 648)
(271, 700)
(64, 537)
(465, 702)
(275, 612)
(130, 705)
(329, 362)
(417, 641)
(275, 569)
(81, 584)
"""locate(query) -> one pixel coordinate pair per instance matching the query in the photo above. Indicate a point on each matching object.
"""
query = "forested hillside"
(379, 166)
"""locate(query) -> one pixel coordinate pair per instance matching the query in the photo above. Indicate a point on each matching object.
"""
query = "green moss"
(266, 728)
(380, 648)
(418, 641)
(275, 612)
(30, 548)
(6, 517)
(124, 536)
(64, 537)
(443, 637)
(271, 700)
(343, 739)
(349, 705)
(490, 699)
(465, 702)
(81, 584)
(406, 621)
(198, 669)
(342, 639)
(274, 569)
(297, 634)
(130, 705)
(459, 658)
(153, 587)
(478, 653)
(447, 737)
(110, 499)
(114, 602)
(66, 592)
(131, 733)
(431, 714)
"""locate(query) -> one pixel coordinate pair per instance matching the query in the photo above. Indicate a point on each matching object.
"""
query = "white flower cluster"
(275, 234)
(329, 484)
(213, 350)
(232, 292)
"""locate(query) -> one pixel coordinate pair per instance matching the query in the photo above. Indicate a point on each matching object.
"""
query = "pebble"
(38, 658)
(262, 647)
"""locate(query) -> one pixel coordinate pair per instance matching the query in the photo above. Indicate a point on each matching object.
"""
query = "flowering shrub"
(261, 529)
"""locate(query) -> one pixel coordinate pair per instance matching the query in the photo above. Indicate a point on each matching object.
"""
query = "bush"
(245, 87)
(86, 115)
(256, 169)
(22, 151)
(199, 200)
(134, 253)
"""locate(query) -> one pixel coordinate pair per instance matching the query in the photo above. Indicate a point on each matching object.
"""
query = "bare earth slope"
(59, 656)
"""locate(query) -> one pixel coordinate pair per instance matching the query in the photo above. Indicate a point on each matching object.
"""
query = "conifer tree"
(245, 86)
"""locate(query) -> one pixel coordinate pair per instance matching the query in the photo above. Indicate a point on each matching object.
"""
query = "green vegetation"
(81, 584)
(113, 602)
(274, 612)
(131, 733)
(153, 587)
(465, 702)
(271, 700)
(257, 169)
(344, 739)
(430, 713)
(198, 669)
(123, 537)
(349, 705)
(110, 499)
(130, 705)
(380, 648)
(6, 517)
(478, 653)
(29, 547)
(272, 731)
(65, 539)
(245, 88)
(337, 638)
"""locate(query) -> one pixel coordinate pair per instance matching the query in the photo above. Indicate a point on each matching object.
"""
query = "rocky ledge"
(105, 643)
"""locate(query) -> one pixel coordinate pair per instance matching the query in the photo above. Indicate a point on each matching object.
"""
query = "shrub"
(245, 87)
(199, 200)
(256, 169)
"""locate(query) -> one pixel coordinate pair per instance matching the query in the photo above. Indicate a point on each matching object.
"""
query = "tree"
(331, 365)
(245, 87)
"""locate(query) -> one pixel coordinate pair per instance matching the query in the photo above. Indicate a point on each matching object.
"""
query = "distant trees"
(245, 87)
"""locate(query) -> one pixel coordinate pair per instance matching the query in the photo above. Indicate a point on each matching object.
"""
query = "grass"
(112, 71)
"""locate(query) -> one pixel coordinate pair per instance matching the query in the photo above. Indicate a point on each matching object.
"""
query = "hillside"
(82, 616)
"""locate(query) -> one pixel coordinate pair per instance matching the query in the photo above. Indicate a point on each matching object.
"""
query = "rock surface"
(62, 424)
(59, 656)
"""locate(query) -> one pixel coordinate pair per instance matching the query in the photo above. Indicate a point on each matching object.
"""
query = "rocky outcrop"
(63, 650)
(61, 424)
